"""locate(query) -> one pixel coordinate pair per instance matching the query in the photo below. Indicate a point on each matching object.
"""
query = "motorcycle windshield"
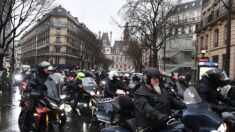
(180, 88)
(52, 89)
(191, 96)
(58, 78)
(89, 84)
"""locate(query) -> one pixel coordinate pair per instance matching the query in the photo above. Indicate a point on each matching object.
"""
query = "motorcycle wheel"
(41, 126)
(54, 128)
(23, 121)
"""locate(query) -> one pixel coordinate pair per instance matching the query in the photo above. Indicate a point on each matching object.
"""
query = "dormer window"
(104, 42)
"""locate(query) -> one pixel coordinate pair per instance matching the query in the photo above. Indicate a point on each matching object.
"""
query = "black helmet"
(217, 76)
(150, 73)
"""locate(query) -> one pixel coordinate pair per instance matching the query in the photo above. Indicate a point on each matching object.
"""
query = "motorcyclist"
(207, 89)
(74, 87)
(153, 104)
(112, 83)
(136, 78)
(37, 82)
(6, 78)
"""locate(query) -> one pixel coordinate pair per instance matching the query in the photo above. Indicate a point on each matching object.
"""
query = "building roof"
(185, 7)
(60, 11)
(105, 36)
(118, 44)
(57, 11)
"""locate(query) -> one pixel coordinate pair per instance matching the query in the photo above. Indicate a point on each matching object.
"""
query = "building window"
(179, 30)
(215, 58)
(201, 43)
(58, 21)
(116, 58)
(206, 42)
(193, 4)
(57, 39)
(113, 58)
(120, 66)
(225, 34)
(104, 43)
(57, 31)
(57, 49)
(116, 66)
(187, 30)
(216, 38)
(183, 31)
(57, 60)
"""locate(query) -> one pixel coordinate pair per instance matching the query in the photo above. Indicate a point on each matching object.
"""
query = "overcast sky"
(96, 14)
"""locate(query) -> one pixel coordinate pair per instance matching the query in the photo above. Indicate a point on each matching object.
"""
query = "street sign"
(209, 64)
(203, 59)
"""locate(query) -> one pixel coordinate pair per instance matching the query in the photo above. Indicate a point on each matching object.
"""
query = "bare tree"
(134, 51)
(148, 18)
(18, 15)
(91, 48)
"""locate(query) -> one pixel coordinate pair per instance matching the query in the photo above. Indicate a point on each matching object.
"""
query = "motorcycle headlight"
(92, 93)
(18, 77)
(62, 106)
(62, 96)
(103, 82)
(222, 128)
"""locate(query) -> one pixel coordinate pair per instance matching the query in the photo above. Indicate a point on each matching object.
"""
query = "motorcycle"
(198, 117)
(42, 112)
(85, 98)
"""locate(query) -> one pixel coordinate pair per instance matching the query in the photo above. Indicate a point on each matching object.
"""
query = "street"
(10, 111)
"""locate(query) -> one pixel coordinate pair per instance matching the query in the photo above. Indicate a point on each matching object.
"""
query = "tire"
(40, 126)
(23, 120)
(54, 128)
(63, 119)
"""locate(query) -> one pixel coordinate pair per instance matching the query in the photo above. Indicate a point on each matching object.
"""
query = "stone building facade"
(54, 39)
(180, 47)
(212, 33)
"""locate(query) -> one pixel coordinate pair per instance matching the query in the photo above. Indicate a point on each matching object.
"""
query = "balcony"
(214, 16)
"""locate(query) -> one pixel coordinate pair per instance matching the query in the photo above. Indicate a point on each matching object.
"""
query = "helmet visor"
(223, 76)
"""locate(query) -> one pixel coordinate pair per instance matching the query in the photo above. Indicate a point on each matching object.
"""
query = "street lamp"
(228, 44)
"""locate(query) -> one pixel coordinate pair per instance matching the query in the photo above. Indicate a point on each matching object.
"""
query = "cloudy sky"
(96, 14)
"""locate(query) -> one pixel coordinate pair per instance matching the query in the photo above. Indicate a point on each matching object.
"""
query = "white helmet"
(126, 75)
(113, 74)
(51, 68)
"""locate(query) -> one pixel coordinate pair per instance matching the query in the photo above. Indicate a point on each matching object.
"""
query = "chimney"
(111, 37)
(99, 34)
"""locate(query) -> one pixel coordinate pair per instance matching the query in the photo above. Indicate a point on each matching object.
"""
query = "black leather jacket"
(111, 87)
(153, 110)
(37, 83)
(208, 92)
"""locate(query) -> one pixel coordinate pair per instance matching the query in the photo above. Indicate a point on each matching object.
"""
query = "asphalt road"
(9, 112)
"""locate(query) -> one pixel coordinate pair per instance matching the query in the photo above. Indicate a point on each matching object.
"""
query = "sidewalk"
(9, 111)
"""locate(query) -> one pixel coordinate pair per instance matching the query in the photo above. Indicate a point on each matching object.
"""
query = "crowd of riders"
(154, 97)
